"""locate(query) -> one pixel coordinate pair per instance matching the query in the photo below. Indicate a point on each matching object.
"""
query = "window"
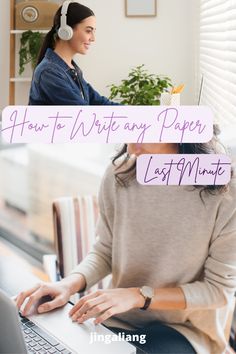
(32, 176)
(218, 58)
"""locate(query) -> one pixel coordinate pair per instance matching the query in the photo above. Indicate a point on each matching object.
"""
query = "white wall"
(166, 44)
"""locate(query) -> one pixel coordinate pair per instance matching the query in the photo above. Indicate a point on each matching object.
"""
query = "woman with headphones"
(57, 80)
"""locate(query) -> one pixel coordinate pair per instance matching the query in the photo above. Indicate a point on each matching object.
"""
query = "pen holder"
(168, 99)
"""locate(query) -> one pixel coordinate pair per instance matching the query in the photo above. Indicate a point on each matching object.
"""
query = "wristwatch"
(148, 293)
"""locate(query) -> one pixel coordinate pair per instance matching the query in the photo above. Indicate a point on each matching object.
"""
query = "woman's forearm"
(164, 299)
(168, 299)
(75, 282)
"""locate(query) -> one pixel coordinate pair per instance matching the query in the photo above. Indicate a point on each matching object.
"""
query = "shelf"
(15, 33)
(22, 31)
(20, 79)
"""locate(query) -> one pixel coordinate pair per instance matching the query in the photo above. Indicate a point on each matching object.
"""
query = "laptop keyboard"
(40, 342)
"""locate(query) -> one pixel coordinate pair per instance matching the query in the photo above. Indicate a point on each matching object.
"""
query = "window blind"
(218, 58)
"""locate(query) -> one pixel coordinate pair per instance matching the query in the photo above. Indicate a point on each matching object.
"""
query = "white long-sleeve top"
(166, 236)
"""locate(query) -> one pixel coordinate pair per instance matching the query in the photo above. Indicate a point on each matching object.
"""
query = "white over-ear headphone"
(65, 32)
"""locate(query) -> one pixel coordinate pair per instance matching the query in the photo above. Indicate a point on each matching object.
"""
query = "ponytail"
(49, 42)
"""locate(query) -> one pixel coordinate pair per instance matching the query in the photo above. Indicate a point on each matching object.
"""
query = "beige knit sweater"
(165, 236)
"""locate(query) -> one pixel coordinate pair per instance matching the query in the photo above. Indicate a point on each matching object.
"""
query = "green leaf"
(140, 88)
(30, 44)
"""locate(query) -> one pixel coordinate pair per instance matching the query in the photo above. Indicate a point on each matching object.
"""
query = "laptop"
(53, 333)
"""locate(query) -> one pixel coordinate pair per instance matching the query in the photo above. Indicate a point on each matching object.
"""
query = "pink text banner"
(106, 124)
(187, 169)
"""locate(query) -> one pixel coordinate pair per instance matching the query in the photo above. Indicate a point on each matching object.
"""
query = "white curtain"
(218, 58)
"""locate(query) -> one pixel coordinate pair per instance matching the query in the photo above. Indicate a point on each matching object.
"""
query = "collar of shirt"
(55, 58)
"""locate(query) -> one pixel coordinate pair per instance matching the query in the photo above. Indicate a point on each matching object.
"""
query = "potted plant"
(140, 88)
(30, 44)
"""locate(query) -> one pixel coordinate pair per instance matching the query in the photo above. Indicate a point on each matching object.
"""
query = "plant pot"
(168, 99)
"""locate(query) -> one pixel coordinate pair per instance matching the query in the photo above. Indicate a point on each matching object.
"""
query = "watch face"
(147, 291)
(29, 14)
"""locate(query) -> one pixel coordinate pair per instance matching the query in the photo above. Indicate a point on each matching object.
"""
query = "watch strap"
(147, 293)
(146, 304)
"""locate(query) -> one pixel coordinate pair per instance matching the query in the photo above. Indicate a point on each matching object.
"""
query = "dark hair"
(76, 13)
(213, 147)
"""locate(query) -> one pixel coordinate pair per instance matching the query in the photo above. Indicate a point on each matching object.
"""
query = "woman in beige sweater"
(171, 252)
